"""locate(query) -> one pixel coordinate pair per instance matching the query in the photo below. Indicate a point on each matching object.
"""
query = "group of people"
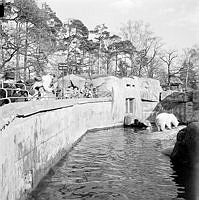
(47, 87)
(34, 89)
(87, 91)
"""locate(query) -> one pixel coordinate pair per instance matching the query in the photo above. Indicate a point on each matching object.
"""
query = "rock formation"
(186, 150)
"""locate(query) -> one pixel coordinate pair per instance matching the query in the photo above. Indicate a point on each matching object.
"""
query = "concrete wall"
(145, 93)
(150, 90)
(36, 138)
(35, 135)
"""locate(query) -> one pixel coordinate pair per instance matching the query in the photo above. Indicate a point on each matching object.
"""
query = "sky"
(175, 21)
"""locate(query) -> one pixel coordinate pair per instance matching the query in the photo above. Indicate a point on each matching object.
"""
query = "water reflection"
(185, 179)
(114, 164)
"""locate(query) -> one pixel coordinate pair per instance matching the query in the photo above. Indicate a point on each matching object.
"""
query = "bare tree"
(189, 69)
(147, 46)
(168, 58)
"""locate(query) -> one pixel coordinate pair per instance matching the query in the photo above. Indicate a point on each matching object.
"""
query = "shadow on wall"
(178, 103)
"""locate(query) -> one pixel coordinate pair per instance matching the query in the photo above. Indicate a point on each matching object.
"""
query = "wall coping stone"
(24, 109)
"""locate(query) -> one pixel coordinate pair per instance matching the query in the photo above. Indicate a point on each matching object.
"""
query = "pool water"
(109, 164)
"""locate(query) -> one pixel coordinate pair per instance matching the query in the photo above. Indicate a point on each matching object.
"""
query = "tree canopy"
(34, 41)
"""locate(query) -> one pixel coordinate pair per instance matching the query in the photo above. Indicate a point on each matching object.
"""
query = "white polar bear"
(166, 119)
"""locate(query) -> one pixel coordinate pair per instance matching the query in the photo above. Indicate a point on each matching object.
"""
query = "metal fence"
(19, 92)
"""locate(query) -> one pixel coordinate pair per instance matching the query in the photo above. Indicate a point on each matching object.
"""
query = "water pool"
(114, 164)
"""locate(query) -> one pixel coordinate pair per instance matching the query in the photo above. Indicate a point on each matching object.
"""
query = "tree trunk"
(107, 66)
(89, 65)
(187, 76)
(83, 57)
(28, 73)
(169, 77)
(2, 53)
(26, 51)
(132, 64)
(99, 61)
(17, 70)
(116, 64)
(140, 69)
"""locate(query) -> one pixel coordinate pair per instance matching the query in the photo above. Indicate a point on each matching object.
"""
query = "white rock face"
(121, 89)
(149, 89)
(164, 120)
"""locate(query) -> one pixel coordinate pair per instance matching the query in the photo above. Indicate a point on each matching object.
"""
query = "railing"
(16, 85)
(12, 92)
(15, 92)
(9, 95)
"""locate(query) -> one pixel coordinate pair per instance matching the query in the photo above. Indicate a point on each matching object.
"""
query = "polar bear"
(166, 120)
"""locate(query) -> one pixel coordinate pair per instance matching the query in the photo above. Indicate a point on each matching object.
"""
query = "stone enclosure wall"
(143, 93)
(35, 135)
(37, 138)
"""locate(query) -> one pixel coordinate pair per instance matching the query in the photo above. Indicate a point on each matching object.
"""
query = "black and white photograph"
(99, 100)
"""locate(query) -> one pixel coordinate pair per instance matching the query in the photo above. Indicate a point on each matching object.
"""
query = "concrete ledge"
(23, 109)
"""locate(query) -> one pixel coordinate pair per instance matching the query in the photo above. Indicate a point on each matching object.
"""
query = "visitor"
(95, 95)
(86, 91)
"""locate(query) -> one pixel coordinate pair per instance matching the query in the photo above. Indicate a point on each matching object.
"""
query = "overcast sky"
(175, 21)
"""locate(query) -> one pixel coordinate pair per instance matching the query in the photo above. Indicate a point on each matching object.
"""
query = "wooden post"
(62, 67)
